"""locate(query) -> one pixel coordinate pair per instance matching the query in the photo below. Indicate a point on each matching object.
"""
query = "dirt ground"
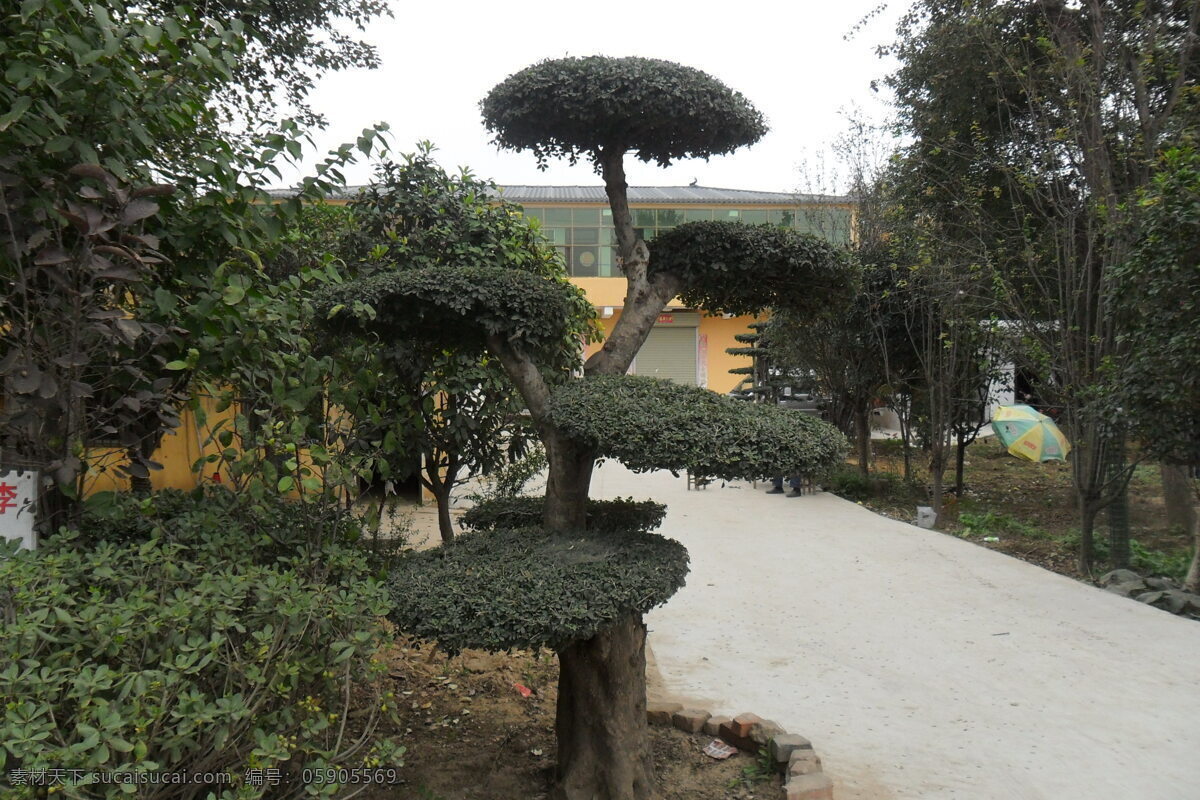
(1029, 509)
(473, 735)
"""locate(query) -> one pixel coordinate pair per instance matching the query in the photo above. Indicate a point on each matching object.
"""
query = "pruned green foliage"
(458, 308)
(527, 588)
(622, 514)
(658, 110)
(743, 269)
(647, 423)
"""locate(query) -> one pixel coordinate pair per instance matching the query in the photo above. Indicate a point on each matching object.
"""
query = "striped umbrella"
(1029, 434)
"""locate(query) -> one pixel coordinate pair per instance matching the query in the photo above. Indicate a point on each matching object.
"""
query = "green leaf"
(232, 295)
(286, 483)
(19, 107)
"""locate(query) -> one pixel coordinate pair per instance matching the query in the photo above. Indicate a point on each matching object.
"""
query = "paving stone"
(783, 745)
(713, 726)
(816, 786)
(690, 720)
(803, 762)
(660, 713)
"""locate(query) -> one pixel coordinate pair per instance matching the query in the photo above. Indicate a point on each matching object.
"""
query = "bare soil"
(1001, 490)
(473, 735)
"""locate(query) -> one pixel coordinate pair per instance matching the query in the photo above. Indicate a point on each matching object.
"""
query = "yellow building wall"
(720, 333)
(179, 450)
(717, 333)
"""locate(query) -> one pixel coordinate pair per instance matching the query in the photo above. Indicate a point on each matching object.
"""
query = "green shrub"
(850, 483)
(1156, 562)
(186, 651)
(218, 524)
(622, 514)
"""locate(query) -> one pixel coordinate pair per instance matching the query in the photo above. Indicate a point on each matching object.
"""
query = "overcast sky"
(795, 61)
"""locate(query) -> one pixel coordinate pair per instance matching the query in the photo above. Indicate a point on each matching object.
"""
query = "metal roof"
(638, 195)
(678, 195)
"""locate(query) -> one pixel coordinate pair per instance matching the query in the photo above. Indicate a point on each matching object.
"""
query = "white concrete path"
(921, 666)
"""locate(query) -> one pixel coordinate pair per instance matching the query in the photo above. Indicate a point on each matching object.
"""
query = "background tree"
(1028, 150)
(603, 108)
(1159, 298)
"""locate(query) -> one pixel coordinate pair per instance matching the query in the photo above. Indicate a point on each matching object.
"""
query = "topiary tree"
(601, 108)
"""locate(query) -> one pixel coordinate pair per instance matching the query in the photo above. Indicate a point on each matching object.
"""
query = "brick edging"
(793, 754)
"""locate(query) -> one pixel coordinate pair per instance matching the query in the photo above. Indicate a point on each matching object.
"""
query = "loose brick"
(783, 745)
(761, 733)
(690, 720)
(816, 786)
(742, 723)
(713, 726)
(803, 762)
(660, 713)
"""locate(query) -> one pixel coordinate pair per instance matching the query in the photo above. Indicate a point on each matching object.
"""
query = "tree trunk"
(1088, 511)
(1192, 582)
(1118, 508)
(960, 466)
(937, 470)
(445, 525)
(439, 485)
(1177, 494)
(862, 425)
(567, 484)
(603, 740)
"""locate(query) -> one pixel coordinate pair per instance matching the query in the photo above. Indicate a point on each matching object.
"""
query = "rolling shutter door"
(668, 353)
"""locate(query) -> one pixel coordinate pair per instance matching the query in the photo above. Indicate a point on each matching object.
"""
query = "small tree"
(603, 108)
(104, 254)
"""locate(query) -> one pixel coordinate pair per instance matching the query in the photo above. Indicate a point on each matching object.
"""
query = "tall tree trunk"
(1178, 497)
(1089, 509)
(1118, 508)
(862, 425)
(567, 484)
(603, 739)
(1192, 582)
(937, 471)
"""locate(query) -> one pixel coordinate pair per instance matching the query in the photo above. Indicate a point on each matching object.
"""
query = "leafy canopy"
(524, 588)
(647, 423)
(659, 110)
(1158, 292)
(743, 269)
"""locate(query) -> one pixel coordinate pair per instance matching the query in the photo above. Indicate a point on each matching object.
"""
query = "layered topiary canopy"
(743, 269)
(659, 110)
(459, 307)
(622, 514)
(647, 423)
(525, 588)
